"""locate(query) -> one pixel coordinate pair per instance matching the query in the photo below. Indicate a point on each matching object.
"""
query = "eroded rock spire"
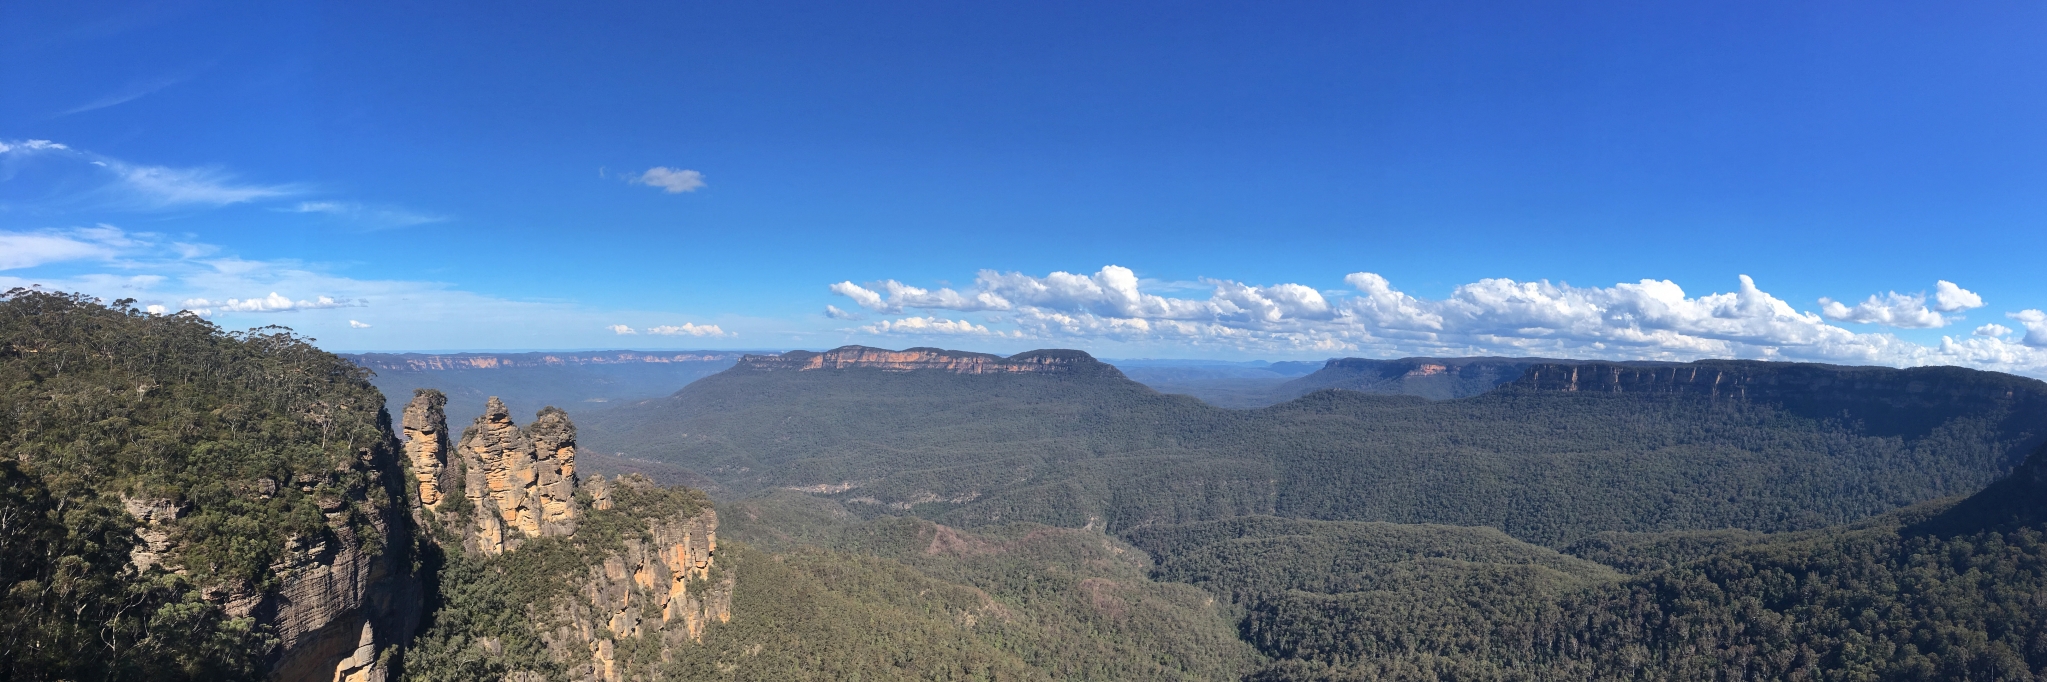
(520, 482)
(426, 444)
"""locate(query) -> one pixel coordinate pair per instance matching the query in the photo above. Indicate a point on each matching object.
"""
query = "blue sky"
(1269, 180)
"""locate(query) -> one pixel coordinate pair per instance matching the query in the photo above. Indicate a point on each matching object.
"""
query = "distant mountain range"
(527, 382)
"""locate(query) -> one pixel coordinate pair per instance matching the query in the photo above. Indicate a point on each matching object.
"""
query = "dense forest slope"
(185, 503)
(1546, 462)
(1940, 591)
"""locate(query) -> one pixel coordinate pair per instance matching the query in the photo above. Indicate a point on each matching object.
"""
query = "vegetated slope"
(1941, 591)
(1432, 378)
(1547, 460)
(527, 382)
(1384, 599)
(1020, 601)
(562, 606)
(258, 465)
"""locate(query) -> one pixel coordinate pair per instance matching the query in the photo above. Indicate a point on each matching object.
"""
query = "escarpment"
(605, 600)
(345, 599)
(1885, 401)
(182, 502)
(1069, 362)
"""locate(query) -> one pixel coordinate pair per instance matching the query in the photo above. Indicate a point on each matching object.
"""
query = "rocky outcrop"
(346, 599)
(660, 591)
(520, 483)
(425, 427)
(931, 359)
(157, 517)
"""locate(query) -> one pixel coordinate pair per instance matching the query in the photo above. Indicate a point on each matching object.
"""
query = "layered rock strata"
(521, 483)
(935, 359)
(426, 444)
(662, 588)
(343, 602)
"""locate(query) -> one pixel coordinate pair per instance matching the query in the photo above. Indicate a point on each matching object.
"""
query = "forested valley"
(169, 493)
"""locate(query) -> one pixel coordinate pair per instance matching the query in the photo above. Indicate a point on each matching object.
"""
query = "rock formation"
(662, 588)
(958, 362)
(426, 444)
(520, 482)
(342, 602)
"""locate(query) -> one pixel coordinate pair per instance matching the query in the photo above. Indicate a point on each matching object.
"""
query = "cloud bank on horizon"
(1650, 319)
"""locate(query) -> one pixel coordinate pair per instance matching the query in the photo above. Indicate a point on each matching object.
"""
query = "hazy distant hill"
(1546, 462)
(527, 382)
(1259, 386)
(1222, 384)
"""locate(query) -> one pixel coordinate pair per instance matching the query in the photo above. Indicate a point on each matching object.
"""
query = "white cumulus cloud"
(835, 313)
(1948, 297)
(1648, 319)
(925, 325)
(2036, 326)
(671, 180)
(687, 329)
(274, 303)
(1905, 311)
(352, 324)
(1992, 329)
(621, 330)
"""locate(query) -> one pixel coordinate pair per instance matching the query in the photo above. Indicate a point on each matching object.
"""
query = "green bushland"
(486, 613)
(1062, 603)
(1549, 467)
(1938, 591)
(246, 432)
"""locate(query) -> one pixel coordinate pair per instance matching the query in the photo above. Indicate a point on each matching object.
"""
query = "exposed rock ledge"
(1070, 362)
(520, 483)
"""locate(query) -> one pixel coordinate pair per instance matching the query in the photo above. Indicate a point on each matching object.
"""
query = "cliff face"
(342, 601)
(1071, 362)
(1889, 402)
(341, 607)
(521, 482)
(659, 592)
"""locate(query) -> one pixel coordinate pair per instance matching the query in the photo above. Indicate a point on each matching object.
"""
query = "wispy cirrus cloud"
(135, 186)
(1650, 319)
(367, 216)
(166, 187)
(128, 93)
(30, 249)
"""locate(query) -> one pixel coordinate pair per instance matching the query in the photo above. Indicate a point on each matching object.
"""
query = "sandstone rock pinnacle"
(520, 482)
(426, 444)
